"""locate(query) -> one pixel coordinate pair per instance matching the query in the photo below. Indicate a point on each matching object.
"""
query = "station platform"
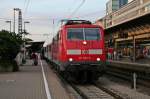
(128, 65)
(140, 65)
(24, 84)
(139, 61)
(28, 83)
(128, 59)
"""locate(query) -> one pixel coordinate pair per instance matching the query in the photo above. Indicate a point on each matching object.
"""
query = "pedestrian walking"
(35, 58)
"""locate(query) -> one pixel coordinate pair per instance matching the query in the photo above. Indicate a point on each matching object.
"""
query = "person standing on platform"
(35, 58)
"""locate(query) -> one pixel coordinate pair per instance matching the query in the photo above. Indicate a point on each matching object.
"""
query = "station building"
(114, 5)
(128, 29)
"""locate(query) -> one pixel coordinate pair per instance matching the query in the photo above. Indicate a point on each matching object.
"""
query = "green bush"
(9, 48)
(9, 45)
(8, 65)
(15, 66)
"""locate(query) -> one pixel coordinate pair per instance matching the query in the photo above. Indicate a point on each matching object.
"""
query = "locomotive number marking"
(85, 51)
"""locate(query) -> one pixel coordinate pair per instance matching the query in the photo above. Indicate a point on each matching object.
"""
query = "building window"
(147, 8)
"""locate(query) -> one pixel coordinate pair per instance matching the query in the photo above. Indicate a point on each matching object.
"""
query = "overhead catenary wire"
(75, 11)
(92, 14)
(27, 2)
(59, 18)
(71, 15)
(70, 8)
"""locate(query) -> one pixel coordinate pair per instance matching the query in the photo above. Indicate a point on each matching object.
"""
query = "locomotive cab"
(84, 46)
(79, 50)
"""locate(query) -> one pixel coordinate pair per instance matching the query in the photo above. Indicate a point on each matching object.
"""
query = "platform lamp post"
(25, 22)
(24, 33)
(15, 9)
(10, 25)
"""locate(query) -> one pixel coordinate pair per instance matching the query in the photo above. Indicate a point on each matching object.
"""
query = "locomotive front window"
(75, 34)
(92, 34)
(83, 34)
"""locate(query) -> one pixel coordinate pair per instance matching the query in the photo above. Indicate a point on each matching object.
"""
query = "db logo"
(85, 52)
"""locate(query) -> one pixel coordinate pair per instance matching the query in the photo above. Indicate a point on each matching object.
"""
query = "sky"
(45, 15)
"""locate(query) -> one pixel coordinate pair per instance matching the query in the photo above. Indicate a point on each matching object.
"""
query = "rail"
(135, 68)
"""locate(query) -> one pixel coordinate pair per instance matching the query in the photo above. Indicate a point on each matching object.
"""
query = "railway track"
(113, 92)
(141, 79)
(91, 91)
(96, 91)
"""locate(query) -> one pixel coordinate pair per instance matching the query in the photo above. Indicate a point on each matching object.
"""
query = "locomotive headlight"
(70, 59)
(84, 42)
(98, 59)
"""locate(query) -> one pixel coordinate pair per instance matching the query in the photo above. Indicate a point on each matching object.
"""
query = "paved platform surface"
(57, 88)
(28, 83)
(25, 84)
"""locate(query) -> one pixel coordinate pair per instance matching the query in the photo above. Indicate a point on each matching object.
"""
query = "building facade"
(128, 29)
(122, 3)
(114, 5)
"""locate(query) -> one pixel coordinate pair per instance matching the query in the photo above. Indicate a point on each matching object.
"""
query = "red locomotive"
(78, 50)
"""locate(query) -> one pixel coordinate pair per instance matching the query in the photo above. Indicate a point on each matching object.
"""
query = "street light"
(25, 22)
(10, 24)
(15, 9)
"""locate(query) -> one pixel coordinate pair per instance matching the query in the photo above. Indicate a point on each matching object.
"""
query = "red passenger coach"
(78, 50)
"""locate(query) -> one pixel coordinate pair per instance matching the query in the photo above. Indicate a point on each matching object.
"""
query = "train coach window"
(92, 33)
(75, 34)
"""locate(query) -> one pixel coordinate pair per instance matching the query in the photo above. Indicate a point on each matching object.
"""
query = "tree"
(10, 45)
